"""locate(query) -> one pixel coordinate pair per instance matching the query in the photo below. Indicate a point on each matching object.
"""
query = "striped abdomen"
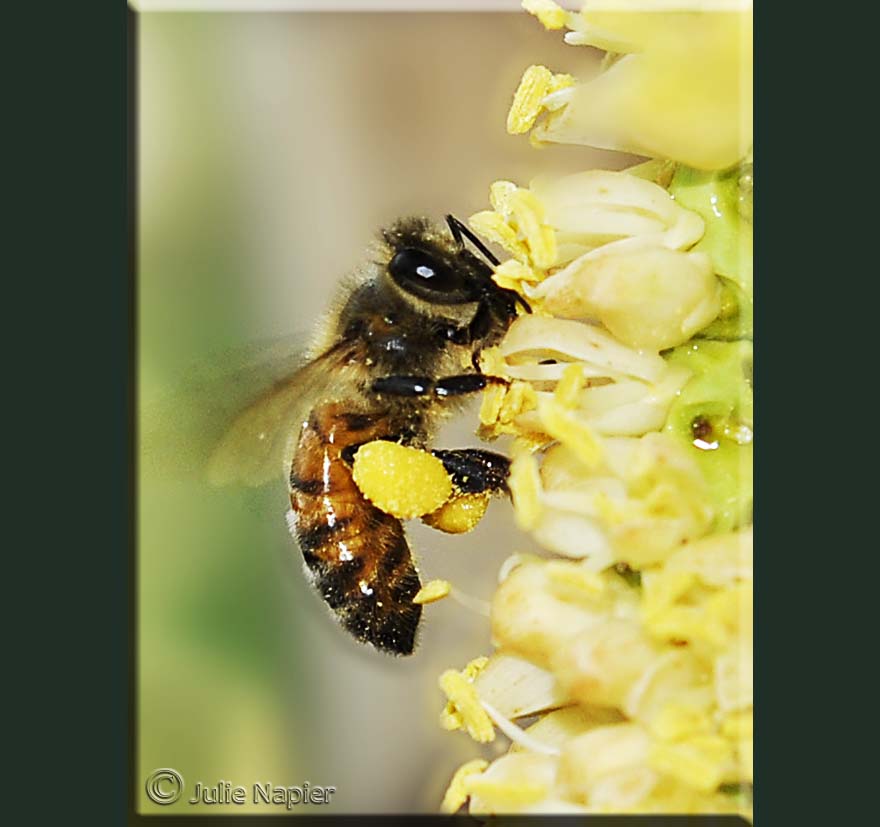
(357, 555)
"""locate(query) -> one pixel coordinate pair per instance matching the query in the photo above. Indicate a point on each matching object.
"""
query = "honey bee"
(401, 344)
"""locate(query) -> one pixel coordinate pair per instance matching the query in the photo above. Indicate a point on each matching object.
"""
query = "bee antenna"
(521, 301)
(460, 231)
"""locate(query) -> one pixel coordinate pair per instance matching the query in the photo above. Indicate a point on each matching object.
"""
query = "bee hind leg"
(474, 471)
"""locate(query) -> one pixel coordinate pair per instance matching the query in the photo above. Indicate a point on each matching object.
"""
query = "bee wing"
(256, 449)
(229, 419)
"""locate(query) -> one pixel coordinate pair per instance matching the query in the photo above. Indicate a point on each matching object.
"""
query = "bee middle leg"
(472, 470)
(446, 386)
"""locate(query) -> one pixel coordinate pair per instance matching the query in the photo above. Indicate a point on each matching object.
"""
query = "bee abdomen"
(357, 555)
(387, 619)
(367, 576)
(304, 486)
(317, 536)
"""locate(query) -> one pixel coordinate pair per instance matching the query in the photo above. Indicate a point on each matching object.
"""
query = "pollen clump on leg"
(400, 480)
(459, 514)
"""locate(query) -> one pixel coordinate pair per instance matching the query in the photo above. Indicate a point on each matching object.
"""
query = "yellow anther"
(433, 591)
(457, 793)
(550, 15)
(528, 99)
(495, 228)
(528, 213)
(562, 424)
(568, 388)
(524, 483)
(463, 697)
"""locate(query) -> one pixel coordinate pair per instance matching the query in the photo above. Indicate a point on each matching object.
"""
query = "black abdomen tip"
(395, 634)
(390, 627)
(380, 612)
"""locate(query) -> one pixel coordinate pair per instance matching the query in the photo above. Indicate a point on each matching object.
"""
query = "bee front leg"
(474, 471)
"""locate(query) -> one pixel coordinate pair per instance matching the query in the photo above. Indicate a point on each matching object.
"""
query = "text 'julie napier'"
(224, 792)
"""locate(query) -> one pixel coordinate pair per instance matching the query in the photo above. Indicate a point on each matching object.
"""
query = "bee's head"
(440, 273)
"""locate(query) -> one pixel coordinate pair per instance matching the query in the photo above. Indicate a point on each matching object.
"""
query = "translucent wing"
(226, 424)
(255, 449)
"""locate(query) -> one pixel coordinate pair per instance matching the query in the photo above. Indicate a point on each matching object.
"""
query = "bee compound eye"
(428, 277)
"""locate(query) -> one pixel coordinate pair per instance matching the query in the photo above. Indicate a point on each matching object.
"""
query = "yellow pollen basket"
(459, 514)
(402, 481)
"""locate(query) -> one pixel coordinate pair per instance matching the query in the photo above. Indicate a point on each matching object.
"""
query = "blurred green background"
(271, 147)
